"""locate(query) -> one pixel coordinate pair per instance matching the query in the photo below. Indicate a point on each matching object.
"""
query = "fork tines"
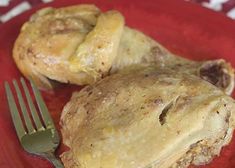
(18, 123)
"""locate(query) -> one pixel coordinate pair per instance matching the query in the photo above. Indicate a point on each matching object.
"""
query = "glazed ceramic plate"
(184, 28)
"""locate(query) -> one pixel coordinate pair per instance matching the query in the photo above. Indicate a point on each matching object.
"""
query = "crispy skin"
(80, 45)
(146, 117)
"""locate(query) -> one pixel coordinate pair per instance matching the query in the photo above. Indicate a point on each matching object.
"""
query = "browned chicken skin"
(146, 117)
(80, 45)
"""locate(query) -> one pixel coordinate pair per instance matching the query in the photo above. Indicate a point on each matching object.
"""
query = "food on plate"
(156, 109)
(146, 116)
(80, 45)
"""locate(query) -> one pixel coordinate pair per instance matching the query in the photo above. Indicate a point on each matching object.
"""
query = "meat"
(80, 45)
(146, 116)
(49, 41)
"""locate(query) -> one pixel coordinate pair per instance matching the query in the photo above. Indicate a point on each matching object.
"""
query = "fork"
(36, 137)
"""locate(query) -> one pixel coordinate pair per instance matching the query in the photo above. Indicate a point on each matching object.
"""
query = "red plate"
(184, 28)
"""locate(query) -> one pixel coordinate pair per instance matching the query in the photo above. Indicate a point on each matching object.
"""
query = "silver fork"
(39, 138)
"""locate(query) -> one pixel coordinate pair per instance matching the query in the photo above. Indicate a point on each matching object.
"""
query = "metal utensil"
(37, 136)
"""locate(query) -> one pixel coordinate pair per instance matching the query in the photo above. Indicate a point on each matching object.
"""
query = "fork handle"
(51, 157)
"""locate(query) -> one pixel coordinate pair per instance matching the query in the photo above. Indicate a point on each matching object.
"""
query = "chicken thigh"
(146, 117)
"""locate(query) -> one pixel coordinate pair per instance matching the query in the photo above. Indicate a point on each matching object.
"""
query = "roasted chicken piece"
(55, 43)
(146, 117)
(144, 50)
(80, 45)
